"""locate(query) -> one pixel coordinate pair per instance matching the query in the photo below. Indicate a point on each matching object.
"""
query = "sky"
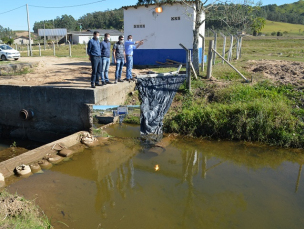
(17, 19)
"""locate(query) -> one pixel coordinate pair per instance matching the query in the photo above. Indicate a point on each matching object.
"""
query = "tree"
(257, 25)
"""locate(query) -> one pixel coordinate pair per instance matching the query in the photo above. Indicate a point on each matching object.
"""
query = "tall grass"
(263, 113)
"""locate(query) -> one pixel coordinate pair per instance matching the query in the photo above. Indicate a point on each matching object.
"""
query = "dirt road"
(55, 71)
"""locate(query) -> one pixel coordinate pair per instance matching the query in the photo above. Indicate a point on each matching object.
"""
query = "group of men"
(99, 55)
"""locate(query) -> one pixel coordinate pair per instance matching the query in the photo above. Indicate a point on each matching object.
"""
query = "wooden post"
(224, 45)
(70, 49)
(189, 70)
(215, 41)
(237, 48)
(54, 48)
(16, 46)
(231, 65)
(230, 48)
(241, 41)
(86, 48)
(203, 53)
(39, 49)
(210, 58)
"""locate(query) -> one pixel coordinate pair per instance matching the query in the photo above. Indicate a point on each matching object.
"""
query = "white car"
(7, 52)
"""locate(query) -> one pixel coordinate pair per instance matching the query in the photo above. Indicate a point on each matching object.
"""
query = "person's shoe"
(128, 80)
(115, 82)
(133, 79)
(109, 82)
(120, 80)
(103, 83)
(98, 84)
(92, 86)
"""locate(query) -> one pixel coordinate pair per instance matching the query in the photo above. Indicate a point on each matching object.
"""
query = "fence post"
(28, 50)
(224, 45)
(54, 48)
(39, 49)
(189, 70)
(16, 47)
(86, 48)
(214, 45)
(70, 49)
(210, 58)
(237, 48)
(203, 52)
(240, 52)
(230, 48)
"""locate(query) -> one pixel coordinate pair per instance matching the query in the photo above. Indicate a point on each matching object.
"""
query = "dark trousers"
(96, 66)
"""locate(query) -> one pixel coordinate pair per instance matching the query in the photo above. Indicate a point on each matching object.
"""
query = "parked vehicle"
(7, 52)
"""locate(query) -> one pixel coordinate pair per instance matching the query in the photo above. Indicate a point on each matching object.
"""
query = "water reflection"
(199, 184)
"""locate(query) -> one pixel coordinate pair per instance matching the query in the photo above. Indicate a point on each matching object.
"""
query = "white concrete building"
(162, 32)
(85, 36)
(22, 41)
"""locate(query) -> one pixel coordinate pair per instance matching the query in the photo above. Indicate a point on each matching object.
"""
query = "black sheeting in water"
(156, 94)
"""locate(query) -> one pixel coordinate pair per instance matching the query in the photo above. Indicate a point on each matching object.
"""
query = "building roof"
(89, 32)
(157, 4)
(52, 32)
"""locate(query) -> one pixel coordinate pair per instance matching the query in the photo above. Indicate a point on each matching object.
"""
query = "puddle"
(188, 184)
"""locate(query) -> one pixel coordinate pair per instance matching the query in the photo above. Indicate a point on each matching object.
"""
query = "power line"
(67, 6)
(12, 10)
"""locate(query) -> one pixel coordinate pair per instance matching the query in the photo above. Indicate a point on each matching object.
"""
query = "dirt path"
(54, 71)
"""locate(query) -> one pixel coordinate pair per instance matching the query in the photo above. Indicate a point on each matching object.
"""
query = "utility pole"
(29, 30)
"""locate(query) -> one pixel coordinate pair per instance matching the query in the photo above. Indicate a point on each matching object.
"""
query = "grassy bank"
(16, 212)
(263, 112)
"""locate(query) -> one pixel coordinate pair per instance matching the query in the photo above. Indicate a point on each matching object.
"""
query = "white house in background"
(22, 41)
(77, 37)
(162, 32)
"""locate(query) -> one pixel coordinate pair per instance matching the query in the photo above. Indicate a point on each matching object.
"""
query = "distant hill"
(292, 29)
(291, 13)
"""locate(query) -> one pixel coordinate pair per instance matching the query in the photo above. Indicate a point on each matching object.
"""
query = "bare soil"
(57, 71)
(284, 72)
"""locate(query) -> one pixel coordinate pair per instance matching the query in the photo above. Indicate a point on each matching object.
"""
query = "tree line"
(290, 13)
(110, 19)
(7, 35)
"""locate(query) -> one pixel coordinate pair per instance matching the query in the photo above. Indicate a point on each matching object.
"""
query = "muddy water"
(199, 184)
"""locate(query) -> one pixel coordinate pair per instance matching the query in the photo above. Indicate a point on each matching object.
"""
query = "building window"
(139, 26)
(175, 18)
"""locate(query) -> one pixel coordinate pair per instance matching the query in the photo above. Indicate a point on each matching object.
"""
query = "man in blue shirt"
(129, 47)
(105, 47)
(94, 53)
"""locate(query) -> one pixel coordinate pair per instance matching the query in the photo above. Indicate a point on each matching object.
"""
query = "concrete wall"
(58, 112)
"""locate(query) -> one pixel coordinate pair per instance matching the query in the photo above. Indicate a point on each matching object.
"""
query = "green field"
(292, 29)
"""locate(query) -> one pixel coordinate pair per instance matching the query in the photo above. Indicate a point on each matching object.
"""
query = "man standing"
(119, 58)
(94, 53)
(130, 46)
(105, 47)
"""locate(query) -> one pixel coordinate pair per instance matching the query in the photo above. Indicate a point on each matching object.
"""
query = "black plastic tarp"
(156, 94)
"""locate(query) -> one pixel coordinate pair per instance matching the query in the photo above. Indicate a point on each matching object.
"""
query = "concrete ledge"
(7, 167)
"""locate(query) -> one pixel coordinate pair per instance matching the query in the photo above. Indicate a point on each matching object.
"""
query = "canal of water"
(189, 183)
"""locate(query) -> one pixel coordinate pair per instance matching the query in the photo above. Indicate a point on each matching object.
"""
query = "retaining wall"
(58, 111)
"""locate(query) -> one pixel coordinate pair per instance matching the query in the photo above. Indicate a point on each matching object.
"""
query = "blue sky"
(17, 19)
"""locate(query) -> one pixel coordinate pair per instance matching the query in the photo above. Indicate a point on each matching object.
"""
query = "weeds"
(131, 119)
(263, 112)
(16, 212)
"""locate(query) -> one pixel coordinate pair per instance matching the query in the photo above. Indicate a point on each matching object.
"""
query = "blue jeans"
(129, 66)
(96, 64)
(105, 64)
(119, 65)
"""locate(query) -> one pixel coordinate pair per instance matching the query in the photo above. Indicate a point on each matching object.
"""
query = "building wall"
(18, 41)
(161, 34)
(80, 39)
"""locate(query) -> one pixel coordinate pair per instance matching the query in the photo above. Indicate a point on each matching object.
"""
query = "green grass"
(263, 112)
(131, 119)
(292, 29)
(17, 212)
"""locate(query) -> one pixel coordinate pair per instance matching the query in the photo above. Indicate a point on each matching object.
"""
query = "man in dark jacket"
(94, 53)
(105, 47)
(119, 58)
